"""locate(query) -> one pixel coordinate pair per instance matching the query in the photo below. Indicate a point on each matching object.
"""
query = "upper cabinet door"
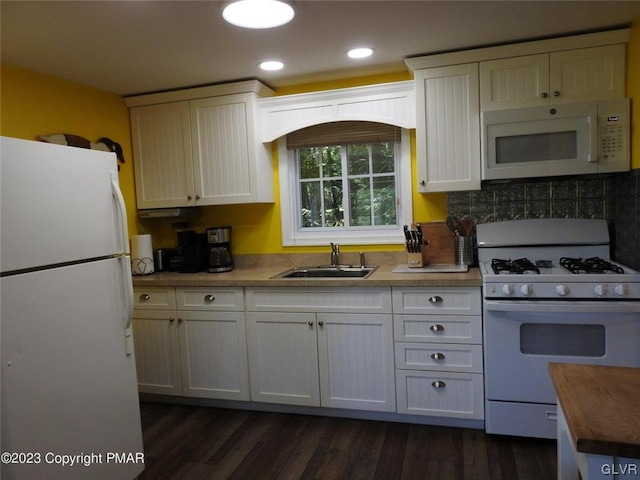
(567, 76)
(229, 162)
(514, 82)
(587, 74)
(162, 155)
(448, 128)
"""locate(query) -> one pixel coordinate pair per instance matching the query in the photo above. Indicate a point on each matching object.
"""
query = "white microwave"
(564, 139)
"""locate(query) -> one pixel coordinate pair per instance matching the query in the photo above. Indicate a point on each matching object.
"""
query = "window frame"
(293, 235)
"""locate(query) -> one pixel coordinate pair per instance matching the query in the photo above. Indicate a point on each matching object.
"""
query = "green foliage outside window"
(363, 174)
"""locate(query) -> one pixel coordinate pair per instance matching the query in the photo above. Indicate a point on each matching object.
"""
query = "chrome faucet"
(335, 254)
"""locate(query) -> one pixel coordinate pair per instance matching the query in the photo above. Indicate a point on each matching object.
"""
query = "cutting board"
(432, 268)
(440, 246)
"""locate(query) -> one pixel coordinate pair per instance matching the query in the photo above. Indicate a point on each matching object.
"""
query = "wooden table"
(598, 421)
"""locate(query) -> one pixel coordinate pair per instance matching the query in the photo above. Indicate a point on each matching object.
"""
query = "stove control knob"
(600, 290)
(621, 290)
(507, 289)
(525, 289)
(562, 290)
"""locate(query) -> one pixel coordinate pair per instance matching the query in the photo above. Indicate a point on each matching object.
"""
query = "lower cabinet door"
(213, 355)
(155, 337)
(356, 361)
(440, 394)
(283, 358)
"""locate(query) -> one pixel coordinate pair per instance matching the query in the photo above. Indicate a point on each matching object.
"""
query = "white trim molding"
(392, 103)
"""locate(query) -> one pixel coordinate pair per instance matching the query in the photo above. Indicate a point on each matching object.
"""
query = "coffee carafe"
(219, 239)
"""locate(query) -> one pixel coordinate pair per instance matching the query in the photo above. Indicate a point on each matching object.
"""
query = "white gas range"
(550, 294)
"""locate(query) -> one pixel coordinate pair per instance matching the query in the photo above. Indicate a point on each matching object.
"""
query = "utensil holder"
(463, 247)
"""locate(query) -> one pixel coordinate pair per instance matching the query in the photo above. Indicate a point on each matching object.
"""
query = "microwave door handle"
(592, 126)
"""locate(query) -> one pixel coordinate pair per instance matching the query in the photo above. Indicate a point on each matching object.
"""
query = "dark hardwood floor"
(184, 442)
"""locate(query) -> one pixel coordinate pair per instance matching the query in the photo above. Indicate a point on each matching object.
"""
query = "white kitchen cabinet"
(213, 354)
(188, 345)
(448, 128)
(230, 164)
(578, 75)
(283, 358)
(200, 147)
(356, 361)
(321, 347)
(162, 158)
(155, 339)
(438, 351)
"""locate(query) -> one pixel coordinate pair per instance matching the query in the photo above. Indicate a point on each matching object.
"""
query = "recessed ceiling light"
(361, 52)
(258, 13)
(272, 65)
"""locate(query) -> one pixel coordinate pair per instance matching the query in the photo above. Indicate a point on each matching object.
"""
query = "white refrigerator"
(69, 400)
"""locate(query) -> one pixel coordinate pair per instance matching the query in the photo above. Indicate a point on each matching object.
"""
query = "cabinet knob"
(556, 93)
(144, 297)
(310, 323)
(197, 197)
(189, 197)
(437, 356)
(435, 299)
(171, 320)
(436, 328)
(544, 94)
(180, 320)
(423, 183)
(438, 384)
(209, 298)
(321, 323)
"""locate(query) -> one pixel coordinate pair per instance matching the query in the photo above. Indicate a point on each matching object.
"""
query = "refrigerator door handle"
(128, 301)
(125, 261)
(122, 210)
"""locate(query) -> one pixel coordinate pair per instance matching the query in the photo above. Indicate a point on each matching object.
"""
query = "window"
(345, 182)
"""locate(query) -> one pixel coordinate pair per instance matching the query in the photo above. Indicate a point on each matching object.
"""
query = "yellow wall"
(33, 104)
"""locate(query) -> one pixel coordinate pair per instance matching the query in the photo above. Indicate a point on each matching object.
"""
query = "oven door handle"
(562, 306)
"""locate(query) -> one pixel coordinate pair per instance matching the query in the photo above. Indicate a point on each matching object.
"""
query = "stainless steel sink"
(338, 271)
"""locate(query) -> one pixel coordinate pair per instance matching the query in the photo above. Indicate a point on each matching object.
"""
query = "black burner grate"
(589, 265)
(521, 265)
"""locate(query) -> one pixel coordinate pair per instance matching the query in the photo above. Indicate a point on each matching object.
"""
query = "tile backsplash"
(614, 197)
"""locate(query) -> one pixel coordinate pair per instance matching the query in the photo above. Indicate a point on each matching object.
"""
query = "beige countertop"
(260, 276)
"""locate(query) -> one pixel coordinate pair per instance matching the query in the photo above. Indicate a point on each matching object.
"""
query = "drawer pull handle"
(436, 328)
(438, 384)
(437, 356)
(209, 298)
(144, 297)
(435, 299)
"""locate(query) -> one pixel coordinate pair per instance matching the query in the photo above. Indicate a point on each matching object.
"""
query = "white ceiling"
(130, 47)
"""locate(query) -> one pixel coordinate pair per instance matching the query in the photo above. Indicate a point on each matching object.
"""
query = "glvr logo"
(620, 469)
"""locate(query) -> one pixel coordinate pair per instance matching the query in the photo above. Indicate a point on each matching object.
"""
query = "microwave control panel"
(613, 135)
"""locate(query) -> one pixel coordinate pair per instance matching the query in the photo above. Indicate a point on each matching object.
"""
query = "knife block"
(418, 259)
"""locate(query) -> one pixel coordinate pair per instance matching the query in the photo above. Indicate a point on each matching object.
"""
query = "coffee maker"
(219, 239)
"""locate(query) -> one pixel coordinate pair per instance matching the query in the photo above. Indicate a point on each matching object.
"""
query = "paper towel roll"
(141, 255)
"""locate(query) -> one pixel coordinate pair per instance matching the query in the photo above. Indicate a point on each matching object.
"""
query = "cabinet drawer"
(443, 301)
(439, 357)
(319, 299)
(444, 329)
(440, 394)
(228, 299)
(154, 298)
